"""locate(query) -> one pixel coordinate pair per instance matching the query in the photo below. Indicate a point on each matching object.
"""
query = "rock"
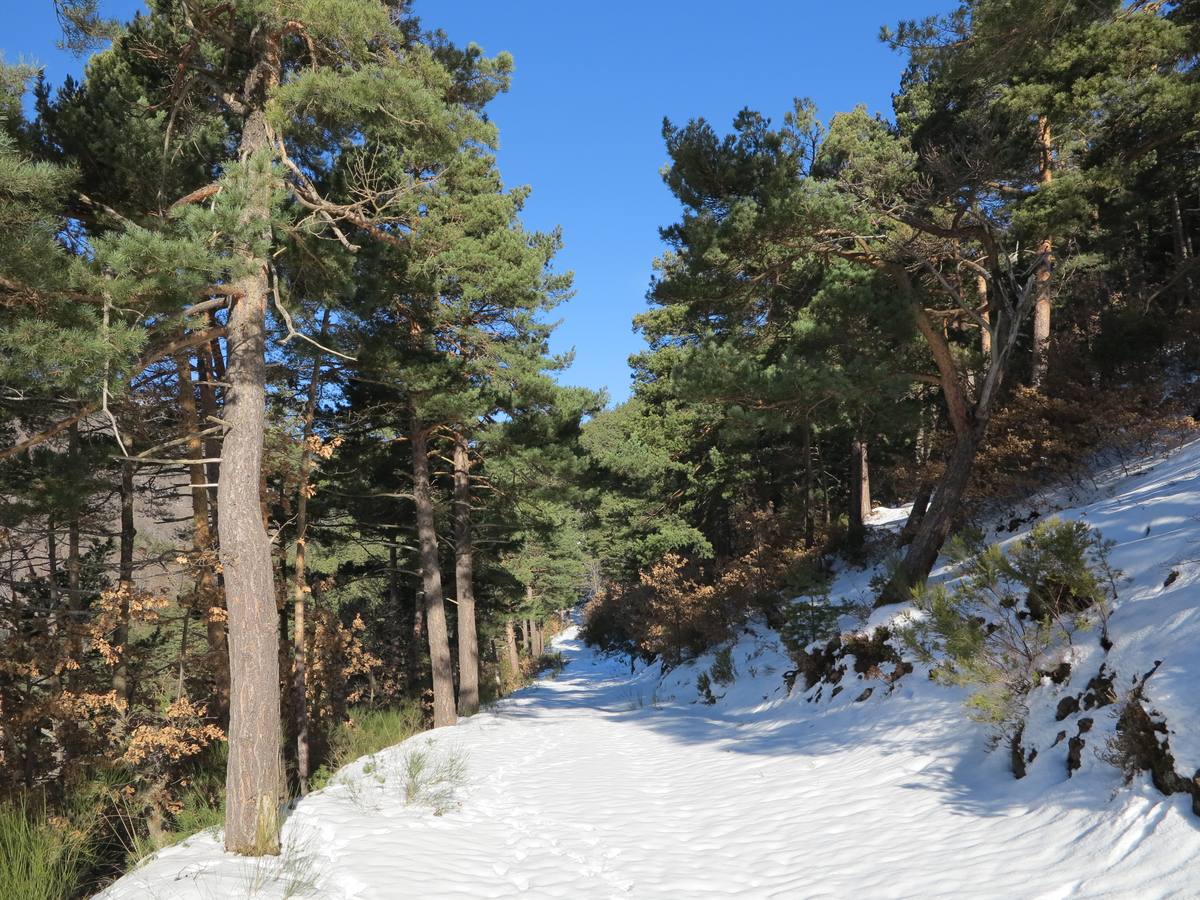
(1099, 691)
(1066, 706)
(1074, 754)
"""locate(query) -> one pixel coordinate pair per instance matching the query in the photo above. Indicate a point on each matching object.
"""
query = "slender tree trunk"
(208, 595)
(985, 312)
(254, 774)
(464, 575)
(431, 576)
(209, 411)
(1041, 306)
(300, 587)
(120, 679)
(860, 491)
(528, 629)
(1182, 248)
(394, 605)
(514, 655)
(809, 518)
(417, 641)
(74, 566)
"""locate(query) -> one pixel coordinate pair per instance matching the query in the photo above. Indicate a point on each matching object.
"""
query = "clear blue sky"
(582, 121)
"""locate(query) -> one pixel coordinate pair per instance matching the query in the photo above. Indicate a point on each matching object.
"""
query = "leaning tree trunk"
(1041, 306)
(464, 575)
(970, 423)
(254, 775)
(938, 519)
(431, 577)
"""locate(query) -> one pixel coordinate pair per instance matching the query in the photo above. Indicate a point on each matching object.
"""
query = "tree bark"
(464, 575)
(514, 655)
(528, 629)
(254, 773)
(1041, 306)
(431, 577)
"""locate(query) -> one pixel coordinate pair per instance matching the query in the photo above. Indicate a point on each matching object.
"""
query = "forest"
(290, 473)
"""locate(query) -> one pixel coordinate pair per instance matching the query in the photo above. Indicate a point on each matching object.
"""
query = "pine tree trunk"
(209, 410)
(208, 595)
(528, 628)
(514, 655)
(431, 577)
(120, 680)
(920, 505)
(300, 587)
(1183, 253)
(394, 604)
(417, 641)
(860, 491)
(74, 566)
(464, 575)
(1041, 307)
(985, 335)
(938, 519)
(254, 776)
(809, 518)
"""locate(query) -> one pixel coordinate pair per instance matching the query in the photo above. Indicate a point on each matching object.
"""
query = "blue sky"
(582, 122)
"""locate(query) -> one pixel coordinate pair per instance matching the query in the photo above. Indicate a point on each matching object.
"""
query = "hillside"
(601, 782)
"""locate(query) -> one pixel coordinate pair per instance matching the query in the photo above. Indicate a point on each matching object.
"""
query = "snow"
(599, 782)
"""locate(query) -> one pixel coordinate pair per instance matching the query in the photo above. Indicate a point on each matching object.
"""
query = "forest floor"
(602, 782)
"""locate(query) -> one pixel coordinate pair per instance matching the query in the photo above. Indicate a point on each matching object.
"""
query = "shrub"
(722, 669)
(1010, 613)
(807, 620)
(367, 731)
(431, 780)
(41, 858)
(704, 688)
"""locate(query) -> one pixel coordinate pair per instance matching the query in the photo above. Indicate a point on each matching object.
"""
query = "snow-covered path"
(592, 785)
(601, 783)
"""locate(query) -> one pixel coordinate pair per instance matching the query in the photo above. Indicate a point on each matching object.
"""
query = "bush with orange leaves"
(679, 608)
(341, 672)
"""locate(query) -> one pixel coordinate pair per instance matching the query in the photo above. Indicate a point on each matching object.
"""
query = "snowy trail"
(600, 783)
(580, 787)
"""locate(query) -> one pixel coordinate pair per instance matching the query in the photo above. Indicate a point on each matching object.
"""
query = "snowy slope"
(602, 783)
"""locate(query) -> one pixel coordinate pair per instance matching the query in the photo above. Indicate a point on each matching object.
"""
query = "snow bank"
(604, 782)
